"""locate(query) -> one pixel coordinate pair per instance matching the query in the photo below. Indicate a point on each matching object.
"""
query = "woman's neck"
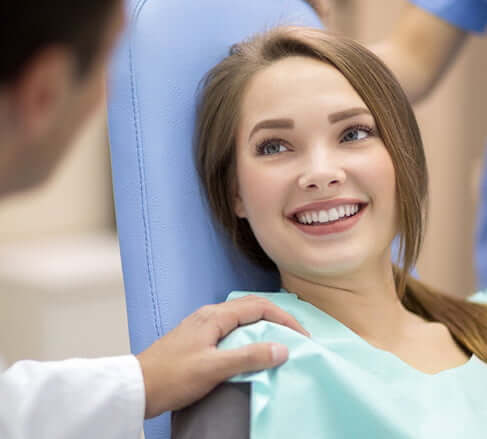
(365, 301)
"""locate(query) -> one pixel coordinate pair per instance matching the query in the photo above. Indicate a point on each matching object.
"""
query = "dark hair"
(218, 119)
(28, 26)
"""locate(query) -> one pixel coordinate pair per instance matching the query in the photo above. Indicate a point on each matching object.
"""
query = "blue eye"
(356, 133)
(271, 147)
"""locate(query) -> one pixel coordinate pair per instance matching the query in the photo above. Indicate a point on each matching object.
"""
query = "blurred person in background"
(426, 40)
(424, 43)
(51, 79)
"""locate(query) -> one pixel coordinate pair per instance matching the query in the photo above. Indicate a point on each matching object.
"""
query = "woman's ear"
(239, 207)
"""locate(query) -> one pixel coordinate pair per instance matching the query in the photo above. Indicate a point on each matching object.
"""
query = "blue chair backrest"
(481, 238)
(174, 258)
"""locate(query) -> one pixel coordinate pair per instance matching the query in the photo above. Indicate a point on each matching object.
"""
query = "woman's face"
(315, 182)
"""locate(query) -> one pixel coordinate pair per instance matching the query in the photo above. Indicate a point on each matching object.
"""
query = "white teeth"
(324, 216)
(333, 214)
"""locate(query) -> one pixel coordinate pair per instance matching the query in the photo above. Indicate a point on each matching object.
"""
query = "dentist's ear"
(42, 90)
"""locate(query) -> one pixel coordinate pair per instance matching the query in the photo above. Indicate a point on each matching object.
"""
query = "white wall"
(61, 288)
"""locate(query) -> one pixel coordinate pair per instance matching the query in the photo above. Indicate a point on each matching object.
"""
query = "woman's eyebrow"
(346, 114)
(272, 123)
(289, 123)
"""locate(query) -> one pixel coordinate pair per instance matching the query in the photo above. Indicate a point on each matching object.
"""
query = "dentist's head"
(51, 78)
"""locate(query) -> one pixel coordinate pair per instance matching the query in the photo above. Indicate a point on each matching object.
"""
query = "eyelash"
(370, 131)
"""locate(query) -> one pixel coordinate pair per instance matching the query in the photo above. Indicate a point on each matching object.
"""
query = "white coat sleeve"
(73, 399)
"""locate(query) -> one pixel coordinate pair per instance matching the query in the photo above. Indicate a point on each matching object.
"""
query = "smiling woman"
(329, 161)
(312, 160)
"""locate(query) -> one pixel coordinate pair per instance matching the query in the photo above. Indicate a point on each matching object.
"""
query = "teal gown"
(336, 385)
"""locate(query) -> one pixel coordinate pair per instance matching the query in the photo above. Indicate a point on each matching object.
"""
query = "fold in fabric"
(336, 385)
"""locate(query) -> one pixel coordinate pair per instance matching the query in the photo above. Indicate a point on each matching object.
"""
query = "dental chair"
(174, 258)
(481, 234)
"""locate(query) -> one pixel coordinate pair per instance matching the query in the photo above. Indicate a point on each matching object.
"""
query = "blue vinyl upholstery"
(481, 238)
(174, 258)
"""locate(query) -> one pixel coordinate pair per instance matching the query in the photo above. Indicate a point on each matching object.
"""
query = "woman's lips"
(337, 226)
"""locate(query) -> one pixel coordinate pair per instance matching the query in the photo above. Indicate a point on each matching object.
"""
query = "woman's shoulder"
(263, 330)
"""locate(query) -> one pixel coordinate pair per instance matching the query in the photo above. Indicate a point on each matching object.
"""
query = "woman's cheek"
(377, 169)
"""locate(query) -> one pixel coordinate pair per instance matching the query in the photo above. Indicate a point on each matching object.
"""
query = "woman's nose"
(321, 175)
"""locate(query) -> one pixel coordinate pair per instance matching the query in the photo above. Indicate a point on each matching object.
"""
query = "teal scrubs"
(336, 385)
(469, 15)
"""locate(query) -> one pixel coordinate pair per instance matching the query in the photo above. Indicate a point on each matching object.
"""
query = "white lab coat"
(73, 399)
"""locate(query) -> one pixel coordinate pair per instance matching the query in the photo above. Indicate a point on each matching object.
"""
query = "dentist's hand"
(184, 365)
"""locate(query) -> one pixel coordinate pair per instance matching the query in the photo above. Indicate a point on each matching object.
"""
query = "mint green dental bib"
(336, 385)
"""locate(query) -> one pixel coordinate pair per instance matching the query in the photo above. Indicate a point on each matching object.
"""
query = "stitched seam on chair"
(142, 186)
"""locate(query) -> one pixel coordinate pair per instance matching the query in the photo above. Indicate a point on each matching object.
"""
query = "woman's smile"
(326, 222)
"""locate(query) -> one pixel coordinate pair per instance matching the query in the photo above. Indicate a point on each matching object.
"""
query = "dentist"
(54, 54)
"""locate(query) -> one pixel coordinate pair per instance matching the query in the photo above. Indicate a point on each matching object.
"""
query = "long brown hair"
(218, 119)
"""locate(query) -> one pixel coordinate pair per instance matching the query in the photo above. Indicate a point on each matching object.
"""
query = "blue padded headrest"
(481, 235)
(174, 258)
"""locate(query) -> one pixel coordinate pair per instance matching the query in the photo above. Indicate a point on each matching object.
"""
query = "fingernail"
(279, 353)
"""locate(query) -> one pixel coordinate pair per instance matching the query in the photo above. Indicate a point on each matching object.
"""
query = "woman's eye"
(357, 133)
(270, 147)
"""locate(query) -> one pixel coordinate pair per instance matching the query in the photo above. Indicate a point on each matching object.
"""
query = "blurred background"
(61, 288)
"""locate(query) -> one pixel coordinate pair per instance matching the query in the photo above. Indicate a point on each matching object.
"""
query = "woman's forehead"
(296, 85)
